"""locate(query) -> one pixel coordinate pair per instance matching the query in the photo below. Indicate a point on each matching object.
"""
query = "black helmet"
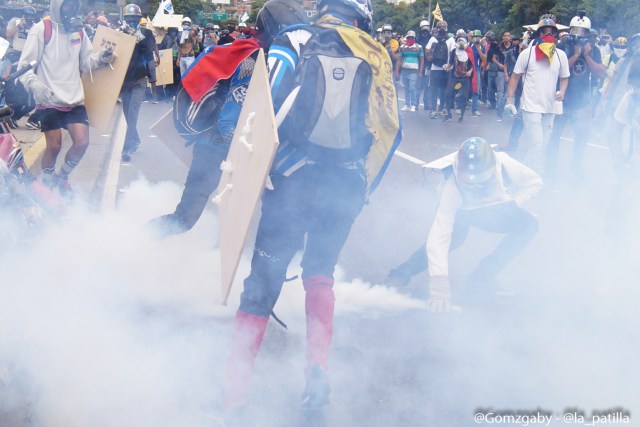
(276, 15)
(361, 10)
(475, 162)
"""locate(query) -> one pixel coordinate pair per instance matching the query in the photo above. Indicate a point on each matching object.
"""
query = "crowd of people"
(334, 90)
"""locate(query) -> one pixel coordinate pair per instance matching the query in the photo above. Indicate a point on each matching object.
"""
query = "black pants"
(507, 218)
(438, 86)
(319, 202)
(132, 95)
(202, 180)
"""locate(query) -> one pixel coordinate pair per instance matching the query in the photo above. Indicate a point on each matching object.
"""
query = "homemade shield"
(164, 70)
(102, 86)
(244, 172)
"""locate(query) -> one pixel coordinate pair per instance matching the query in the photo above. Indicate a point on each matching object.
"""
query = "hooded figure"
(59, 60)
(62, 51)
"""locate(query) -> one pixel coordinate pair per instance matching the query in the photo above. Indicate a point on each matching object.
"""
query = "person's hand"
(107, 56)
(41, 93)
(559, 96)
(510, 106)
(577, 50)
(587, 49)
(440, 295)
(468, 73)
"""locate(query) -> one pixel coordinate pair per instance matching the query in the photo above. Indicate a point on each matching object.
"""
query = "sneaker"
(12, 123)
(477, 113)
(447, 118)
(317, 391)
(413, 109)
(433, 115)
(32, 125)
(62, 184)
(154, 101)
(126, 157)
(405, 108)
(460, 119)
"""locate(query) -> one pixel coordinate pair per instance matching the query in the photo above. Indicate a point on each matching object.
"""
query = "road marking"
(410, 158)
(34, 153)
(110, 192)
(591, 144)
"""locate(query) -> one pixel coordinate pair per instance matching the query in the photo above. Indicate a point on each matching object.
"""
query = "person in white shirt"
(486, 190)
(438, 57)
(539, 65)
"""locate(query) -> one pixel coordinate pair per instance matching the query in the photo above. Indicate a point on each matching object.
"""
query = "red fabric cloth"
(474, 77)
(319, 307)
(544, 39)
(220, 63)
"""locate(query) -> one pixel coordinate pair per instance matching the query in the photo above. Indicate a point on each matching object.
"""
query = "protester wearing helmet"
(57, 88)
(212, 142)
(437, 51)
(410, 64)
(486, 190)
(480, 60)
(618, 52)
(543, 67)
(319, 180)
(135, 82)
(585, 65)
(209, 37)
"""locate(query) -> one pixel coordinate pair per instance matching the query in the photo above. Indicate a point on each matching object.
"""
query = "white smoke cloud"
(104, 325)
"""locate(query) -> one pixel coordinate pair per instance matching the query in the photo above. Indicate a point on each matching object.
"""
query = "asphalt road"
(558, 344)
(563, 341)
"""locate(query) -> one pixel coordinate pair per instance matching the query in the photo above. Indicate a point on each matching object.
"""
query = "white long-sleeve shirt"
(523, 184)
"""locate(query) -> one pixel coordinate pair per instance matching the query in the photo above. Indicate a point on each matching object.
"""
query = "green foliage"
(620, 17)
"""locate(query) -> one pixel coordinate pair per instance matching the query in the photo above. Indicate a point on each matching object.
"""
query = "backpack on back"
(440, 53)
(329, 112)
(195, 120)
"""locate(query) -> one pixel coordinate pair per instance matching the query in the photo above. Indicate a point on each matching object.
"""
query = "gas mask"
(69, 16)
(442, 33)
(461, 43)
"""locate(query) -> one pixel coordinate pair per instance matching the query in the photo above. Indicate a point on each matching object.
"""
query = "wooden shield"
(248, 163)
(102, 86)
(164, 70)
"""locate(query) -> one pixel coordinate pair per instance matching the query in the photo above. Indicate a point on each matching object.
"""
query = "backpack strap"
(47, 30)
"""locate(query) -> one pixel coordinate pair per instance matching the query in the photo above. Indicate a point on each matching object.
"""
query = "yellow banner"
(438, 13)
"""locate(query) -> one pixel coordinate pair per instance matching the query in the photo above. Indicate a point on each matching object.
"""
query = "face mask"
(461, 44)
(410, 41)
(68, 15)
(619, 52)
(133, 22)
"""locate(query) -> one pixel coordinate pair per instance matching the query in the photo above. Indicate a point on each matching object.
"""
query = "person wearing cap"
(540, 66)
(411, 62)
(485, 190)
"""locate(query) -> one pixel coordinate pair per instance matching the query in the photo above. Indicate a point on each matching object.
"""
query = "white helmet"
(379, 30)
(411, 33)
(186, 19)
(216, 27)
(580, 26)
(387, 27)
(242, 25)
(424, 25)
